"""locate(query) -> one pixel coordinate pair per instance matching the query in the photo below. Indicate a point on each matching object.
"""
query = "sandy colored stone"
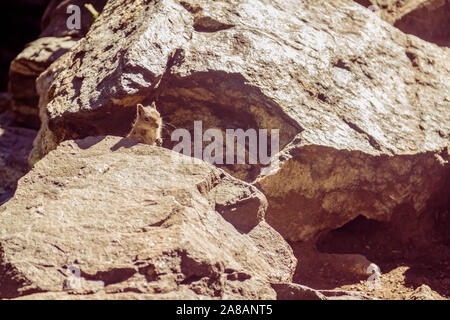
(136, 219)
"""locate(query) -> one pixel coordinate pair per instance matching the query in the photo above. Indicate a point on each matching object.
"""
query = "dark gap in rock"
(20, 24)
(182, 101)
(365, 3)
(107, 120)
(191, 279)
(395, 244)
(110, 276)
(428, 22)
(208, 24)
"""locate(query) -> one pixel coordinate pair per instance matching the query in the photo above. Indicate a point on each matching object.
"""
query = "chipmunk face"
(149, 116)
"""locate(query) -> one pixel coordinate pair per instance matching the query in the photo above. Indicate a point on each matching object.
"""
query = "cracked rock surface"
(362, 108)
(131, 224)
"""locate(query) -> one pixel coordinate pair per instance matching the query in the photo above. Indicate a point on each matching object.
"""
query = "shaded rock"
(25, 68)
(135, 219)
(329, 187)
(55, 40)
(327, 271)
(430, 21)
(344, 295)
(54, 20)
(291, 291)
(15, 145)
(426, 19)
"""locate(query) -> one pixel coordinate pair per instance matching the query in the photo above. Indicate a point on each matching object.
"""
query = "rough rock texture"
(137, 219)
(392, 10)
(330, 187)
(25, 68)
(423, 292)
(15, 145)
(427, 19)
(324, 270)
(55, 40)
(54, 20)
(363, 109)
(292, 291)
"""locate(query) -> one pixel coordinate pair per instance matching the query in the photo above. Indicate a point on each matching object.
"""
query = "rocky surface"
(424, 292)
(426, 19)
(55, 40)
(137, 219)
(15, 145)
(364, 128)
(330, 187)
(363, 113)
(392, 10)
(25, 68)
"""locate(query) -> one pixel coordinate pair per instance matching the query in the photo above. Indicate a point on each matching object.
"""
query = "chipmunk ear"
(153, 105)
(140, 108)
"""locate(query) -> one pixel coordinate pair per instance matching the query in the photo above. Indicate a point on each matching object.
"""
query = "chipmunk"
(148, 126)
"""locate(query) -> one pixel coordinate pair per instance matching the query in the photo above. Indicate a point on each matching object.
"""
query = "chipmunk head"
(148, 116)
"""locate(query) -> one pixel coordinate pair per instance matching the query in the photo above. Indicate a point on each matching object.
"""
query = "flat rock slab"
(132, 218)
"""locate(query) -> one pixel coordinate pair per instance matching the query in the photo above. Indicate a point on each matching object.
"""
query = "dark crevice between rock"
(191, 279)
(419, 242)
(21, 23)
(181, 101)
(208, 24)
(429, 21)
(365, 3)
(111, 276)
(369, 137)
(106, 120)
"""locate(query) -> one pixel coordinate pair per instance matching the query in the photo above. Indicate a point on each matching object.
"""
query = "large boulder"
(55, 40)
(362, 108)
(140, 222)
(25, 68)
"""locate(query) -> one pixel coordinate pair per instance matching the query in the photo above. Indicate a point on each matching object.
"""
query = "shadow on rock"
(15, 145)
